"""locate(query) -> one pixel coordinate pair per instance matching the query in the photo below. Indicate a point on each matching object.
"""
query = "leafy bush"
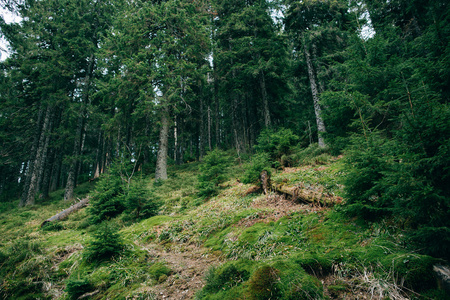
(212, 172)
(276, 143)
(106, 243)
(258, 163)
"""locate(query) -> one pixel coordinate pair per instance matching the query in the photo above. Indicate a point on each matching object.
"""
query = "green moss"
(262, 284)
(415, 271)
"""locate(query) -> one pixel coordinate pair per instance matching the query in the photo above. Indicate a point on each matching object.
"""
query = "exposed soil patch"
(189, 264)
(277, 206)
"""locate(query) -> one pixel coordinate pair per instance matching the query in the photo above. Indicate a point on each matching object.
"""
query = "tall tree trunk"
(71, 177)
(265, 100)
(315, 95)
(216, 110)
(161, 159)
(56, 171)
(30, 164)
(38, 164)
(45, 156)
(202, 128)
(72, 174)
(209, 128)
(48, 173)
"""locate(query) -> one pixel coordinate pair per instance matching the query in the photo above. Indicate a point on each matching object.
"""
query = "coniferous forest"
(227, 149)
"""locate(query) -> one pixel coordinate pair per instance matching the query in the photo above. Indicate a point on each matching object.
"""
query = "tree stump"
(265, 181)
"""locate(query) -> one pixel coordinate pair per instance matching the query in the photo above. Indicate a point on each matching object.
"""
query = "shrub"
(212, 172)
(258, 163)
(106, 243)
(108, 199)
(140, 203)
(276, 143)
(118, 192)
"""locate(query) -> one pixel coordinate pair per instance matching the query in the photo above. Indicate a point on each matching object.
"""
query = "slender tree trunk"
(161, 159)
(209, 128)
(70, 185)
(38, 164)
(315, 95)
(77, 148)
(56, 171)
(30, 164)
(202, 128)
(265, 100)
(216, 111)
(48, 173)
(43, 168)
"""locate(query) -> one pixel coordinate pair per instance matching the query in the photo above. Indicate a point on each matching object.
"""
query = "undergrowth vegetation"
(242, 245)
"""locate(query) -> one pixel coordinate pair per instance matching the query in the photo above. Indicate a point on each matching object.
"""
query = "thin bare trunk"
(202, 128)
(38, 164)
(161, 159)
(30, 164)
(265, 100)
(70, 185)
(209, 128)
(79, 139)
(315, 95)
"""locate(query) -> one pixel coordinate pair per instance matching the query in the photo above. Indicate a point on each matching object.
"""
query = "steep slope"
(232, 246)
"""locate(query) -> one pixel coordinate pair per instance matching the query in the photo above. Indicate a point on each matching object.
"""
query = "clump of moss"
(414, 271)
(263, 284)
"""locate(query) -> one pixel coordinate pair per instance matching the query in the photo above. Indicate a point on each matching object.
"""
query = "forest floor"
(215, 248)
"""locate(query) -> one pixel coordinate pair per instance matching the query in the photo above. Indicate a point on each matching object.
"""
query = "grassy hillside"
(235, 245)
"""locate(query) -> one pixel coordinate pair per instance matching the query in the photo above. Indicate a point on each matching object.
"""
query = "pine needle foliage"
(106, 243)
(213, 171)
(276, 143)
(120, 191)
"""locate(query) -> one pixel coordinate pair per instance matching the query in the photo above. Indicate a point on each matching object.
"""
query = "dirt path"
(188, 263)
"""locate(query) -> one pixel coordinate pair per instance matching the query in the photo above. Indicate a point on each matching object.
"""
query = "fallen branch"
(68, 211)
(314, 195)
(87, 295)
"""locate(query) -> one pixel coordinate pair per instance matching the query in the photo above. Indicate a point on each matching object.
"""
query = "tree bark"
(68, 211)
(70, 185)
(315, 95)
(78, 143)
(38, 164)
(265, 100)
(161, 158)
(314, 195)
(30, 164)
